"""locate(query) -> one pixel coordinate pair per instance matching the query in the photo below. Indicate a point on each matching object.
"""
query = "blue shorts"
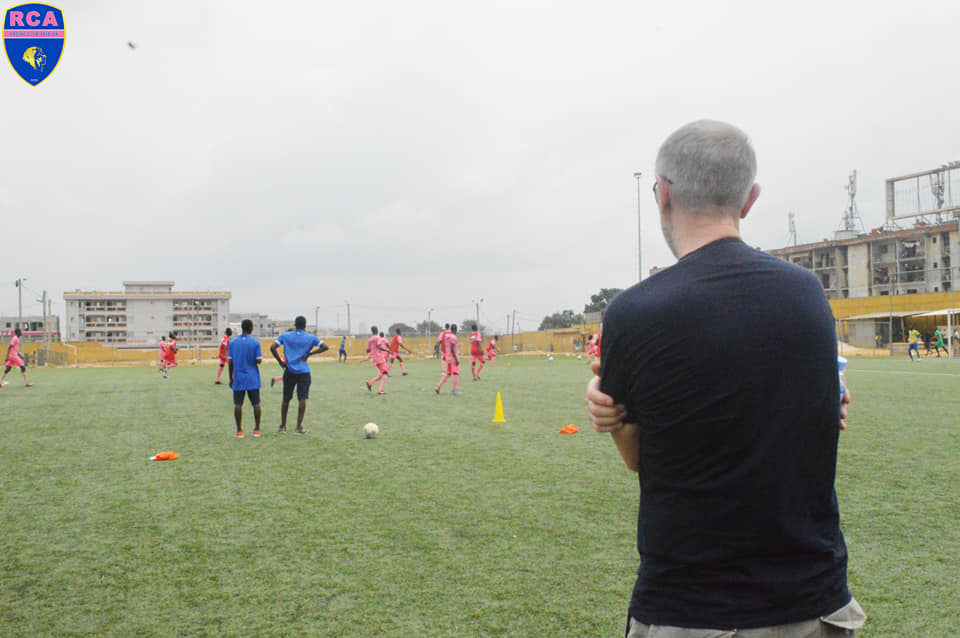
(293, 380)
(914, 346)
(253, 394)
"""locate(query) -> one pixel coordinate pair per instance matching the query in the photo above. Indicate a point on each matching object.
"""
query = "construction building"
(144, 313)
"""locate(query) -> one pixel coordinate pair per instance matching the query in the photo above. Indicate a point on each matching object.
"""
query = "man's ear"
(751, 198)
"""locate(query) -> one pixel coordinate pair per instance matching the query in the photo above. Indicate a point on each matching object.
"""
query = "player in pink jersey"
(492, 350)
(223, 352)
(14, 360)
(378, 351)
(476, 353)
(441, 347)
(395, 344)
(452, 360)
(162, 364)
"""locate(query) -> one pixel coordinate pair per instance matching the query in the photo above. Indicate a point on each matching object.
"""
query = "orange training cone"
(498, 412)
(569, 429)
(164, 456)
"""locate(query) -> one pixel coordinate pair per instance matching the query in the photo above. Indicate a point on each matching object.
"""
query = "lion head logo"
(35, 57)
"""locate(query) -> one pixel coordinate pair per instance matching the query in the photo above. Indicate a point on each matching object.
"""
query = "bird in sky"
(133, 45)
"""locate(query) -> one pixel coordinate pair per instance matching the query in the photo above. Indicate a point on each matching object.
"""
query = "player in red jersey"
(452, 360)
(223, 351)
(170, 354)
(378, 351)
(395, 344)
(476, 353)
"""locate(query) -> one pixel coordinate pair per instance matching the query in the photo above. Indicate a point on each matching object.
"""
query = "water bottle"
(842, 366)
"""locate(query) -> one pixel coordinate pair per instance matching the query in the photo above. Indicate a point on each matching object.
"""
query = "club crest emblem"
(33, 37)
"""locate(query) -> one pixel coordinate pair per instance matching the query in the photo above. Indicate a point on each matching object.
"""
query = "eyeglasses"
(656, 182)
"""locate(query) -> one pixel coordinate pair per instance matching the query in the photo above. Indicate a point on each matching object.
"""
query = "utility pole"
(43, 304)
(429, 331)
(477, 304)
(348, 316)
(19, 285)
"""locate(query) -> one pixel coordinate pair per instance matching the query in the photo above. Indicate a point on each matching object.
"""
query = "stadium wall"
(87, 353)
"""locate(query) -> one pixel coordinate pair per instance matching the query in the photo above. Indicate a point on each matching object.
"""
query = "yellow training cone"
(498, 412)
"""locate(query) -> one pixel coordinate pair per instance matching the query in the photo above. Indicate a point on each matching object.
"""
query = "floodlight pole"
(637, 175)
(348, 315)
(429, 331)
(316, 320)
(20, 301)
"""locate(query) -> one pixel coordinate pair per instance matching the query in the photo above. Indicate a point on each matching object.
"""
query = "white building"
(144, 312)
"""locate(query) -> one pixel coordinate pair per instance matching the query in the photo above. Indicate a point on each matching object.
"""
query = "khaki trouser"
(843, 622)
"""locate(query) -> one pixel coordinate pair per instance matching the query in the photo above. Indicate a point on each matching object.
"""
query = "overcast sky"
(411, 155)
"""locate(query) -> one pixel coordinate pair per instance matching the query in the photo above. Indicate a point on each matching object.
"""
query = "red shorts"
(223, 362)
(383, 366)
(14, 361)
(171, 363)
(477, 357)
(453, 367)
(394, 356)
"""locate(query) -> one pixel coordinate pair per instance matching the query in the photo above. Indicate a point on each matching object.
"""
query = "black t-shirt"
(727, 361)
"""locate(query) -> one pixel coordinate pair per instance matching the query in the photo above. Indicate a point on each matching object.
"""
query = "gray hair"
(710, 164)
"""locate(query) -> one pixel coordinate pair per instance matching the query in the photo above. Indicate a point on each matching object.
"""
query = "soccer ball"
(550, 358)
(370, 430)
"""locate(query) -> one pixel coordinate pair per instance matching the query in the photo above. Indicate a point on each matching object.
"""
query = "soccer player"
(441, 341)
(914, 344)
(244, 356)
(162, 364)
(224, 352)
(14, 360)
(298, 346)
(939, 342)
(342, 355)
(492, 350)
(476, 353)
(170, 354)
(593, 350)
(395, 344)
(452, 360)
(377, 351)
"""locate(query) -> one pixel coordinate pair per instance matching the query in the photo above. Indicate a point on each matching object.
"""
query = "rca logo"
(33, 37)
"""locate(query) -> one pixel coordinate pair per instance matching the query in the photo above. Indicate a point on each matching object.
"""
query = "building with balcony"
(922, 259)
(144, 312)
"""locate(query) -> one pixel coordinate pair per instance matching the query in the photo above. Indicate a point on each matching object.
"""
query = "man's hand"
(844, 402)
(605, 415)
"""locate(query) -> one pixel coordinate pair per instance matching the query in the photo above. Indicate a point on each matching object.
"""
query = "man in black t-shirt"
(735, 438)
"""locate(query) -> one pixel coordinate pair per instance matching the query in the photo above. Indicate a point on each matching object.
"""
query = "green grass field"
(445, 525)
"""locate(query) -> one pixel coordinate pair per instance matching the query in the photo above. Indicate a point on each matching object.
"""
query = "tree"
(404, 328)
(466, 326)
(434, 328)
(600, 301)
(562, 319)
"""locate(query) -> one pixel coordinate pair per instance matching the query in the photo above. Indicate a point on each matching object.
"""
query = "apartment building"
(922, 259)
(144, 312)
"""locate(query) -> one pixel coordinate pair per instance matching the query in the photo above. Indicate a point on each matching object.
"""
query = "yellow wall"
(90, 353)
(854, 306)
